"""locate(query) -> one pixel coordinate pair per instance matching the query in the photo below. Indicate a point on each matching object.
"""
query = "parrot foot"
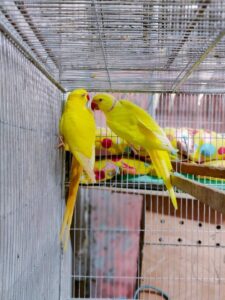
(61, 142)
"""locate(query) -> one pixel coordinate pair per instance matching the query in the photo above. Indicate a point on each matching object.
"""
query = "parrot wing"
(87, 164)
(147, 124)
(141, 114)
(88, 175)
(162, 137)
(82, 143)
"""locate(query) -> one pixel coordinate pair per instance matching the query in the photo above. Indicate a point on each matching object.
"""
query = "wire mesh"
(135, 241)
(30, 181)
(126, 237)
(126, 45)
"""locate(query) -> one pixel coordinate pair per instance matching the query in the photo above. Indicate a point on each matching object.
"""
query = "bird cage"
(126, 241)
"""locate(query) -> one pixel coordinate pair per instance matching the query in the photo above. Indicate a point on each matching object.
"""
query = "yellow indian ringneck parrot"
(77, 128)
(138, 128)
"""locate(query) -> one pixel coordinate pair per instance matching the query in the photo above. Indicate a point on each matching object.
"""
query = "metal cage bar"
(125, 45)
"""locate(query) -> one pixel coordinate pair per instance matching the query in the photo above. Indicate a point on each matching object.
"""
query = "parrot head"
(104, 102)
(79, 94)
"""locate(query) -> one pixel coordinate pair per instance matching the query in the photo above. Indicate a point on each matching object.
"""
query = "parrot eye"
(100, 100)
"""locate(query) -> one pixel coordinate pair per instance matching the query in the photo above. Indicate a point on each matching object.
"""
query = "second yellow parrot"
(77, 128)
(138, 128)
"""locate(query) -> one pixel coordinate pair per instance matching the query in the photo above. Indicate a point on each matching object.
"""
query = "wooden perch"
(197, 169)
(212, 197)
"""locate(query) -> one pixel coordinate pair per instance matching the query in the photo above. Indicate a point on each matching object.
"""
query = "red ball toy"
(99, 175)
(107, 143)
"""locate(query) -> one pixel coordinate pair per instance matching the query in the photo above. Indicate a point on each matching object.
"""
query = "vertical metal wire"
(135, 57)
(130, 46)
(30, 172)
(187, 234)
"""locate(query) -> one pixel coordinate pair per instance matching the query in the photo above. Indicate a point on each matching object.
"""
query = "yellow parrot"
(77, 128)
(138, 128)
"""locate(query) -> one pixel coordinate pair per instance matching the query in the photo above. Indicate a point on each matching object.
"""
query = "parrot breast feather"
(79, 132)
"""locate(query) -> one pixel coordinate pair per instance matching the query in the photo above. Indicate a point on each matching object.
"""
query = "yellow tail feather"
(162, 165)
(76, 170)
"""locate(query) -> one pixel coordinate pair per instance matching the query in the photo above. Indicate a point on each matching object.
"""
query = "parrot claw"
(61, 142)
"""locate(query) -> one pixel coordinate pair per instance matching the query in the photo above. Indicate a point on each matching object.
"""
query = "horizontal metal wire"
(97, 44)
(125, 45)
(183, 251)
(139, 277)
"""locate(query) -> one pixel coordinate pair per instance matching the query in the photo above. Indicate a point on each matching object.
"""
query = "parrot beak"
(94, 106)
(88, 101)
